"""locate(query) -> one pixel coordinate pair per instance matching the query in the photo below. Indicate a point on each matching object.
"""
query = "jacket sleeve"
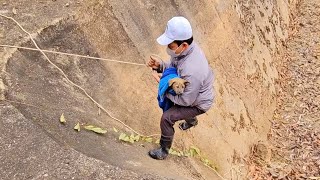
(163, 65)
(190, 93)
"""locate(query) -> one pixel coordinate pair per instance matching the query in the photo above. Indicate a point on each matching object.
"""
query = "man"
(192, 66)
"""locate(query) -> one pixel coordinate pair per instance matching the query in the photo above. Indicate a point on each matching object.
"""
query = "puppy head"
(178, 85)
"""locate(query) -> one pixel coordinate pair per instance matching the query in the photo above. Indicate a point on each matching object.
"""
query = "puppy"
(178, 85)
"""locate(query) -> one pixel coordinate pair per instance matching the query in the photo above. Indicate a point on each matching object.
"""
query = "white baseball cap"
(178, 28)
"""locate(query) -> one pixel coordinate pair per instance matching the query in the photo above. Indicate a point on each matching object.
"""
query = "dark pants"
(174, 114)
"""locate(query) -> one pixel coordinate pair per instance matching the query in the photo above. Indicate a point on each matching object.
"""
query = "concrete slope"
(30, 152)
(44, 95)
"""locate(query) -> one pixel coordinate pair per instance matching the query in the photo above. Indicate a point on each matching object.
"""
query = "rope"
(74, 84)
(70, 54)
(218, 174)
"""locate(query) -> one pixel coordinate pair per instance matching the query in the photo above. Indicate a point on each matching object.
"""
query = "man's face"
(178, 49)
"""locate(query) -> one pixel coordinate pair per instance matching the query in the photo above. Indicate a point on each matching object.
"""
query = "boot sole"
(156, 158)
(181, 124)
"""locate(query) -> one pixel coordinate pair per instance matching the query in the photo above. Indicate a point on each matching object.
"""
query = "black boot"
(162, 152)
(188, 123)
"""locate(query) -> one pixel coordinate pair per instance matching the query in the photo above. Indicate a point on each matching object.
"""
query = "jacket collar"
(185, 53)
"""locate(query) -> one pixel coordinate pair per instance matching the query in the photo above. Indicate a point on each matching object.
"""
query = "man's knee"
(166, 118)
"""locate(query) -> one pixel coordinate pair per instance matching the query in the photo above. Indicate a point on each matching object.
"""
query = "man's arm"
(163, 65)
(157, 64)
(190, 93)
(156, 75)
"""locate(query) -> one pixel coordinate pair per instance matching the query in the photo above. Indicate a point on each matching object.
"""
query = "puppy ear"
(185, 82)
(171, 81)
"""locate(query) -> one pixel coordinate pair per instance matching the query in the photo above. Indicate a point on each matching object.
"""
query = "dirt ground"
(294, 136)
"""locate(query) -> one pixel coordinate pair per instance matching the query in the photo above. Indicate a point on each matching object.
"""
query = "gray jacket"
(193, 66)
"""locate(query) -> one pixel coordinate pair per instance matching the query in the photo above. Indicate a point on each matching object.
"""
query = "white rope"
(70, 54)
(217, 173)
(71, 82)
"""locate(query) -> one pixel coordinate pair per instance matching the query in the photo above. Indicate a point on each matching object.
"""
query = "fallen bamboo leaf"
(62, 119)
(125, 138)
(175, 152)
(131, 138)
(181, 153)
(205, 161)
(77, 127)
(148, 139)
(194, 151)
(115, 130)
(208, 163)
(95, 129)
(187, 154)
(14, 11)
(122, 136)
(136, 138)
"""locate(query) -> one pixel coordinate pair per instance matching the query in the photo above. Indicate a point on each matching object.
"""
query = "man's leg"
(173, 115)
(168, 119)
(188, 123)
